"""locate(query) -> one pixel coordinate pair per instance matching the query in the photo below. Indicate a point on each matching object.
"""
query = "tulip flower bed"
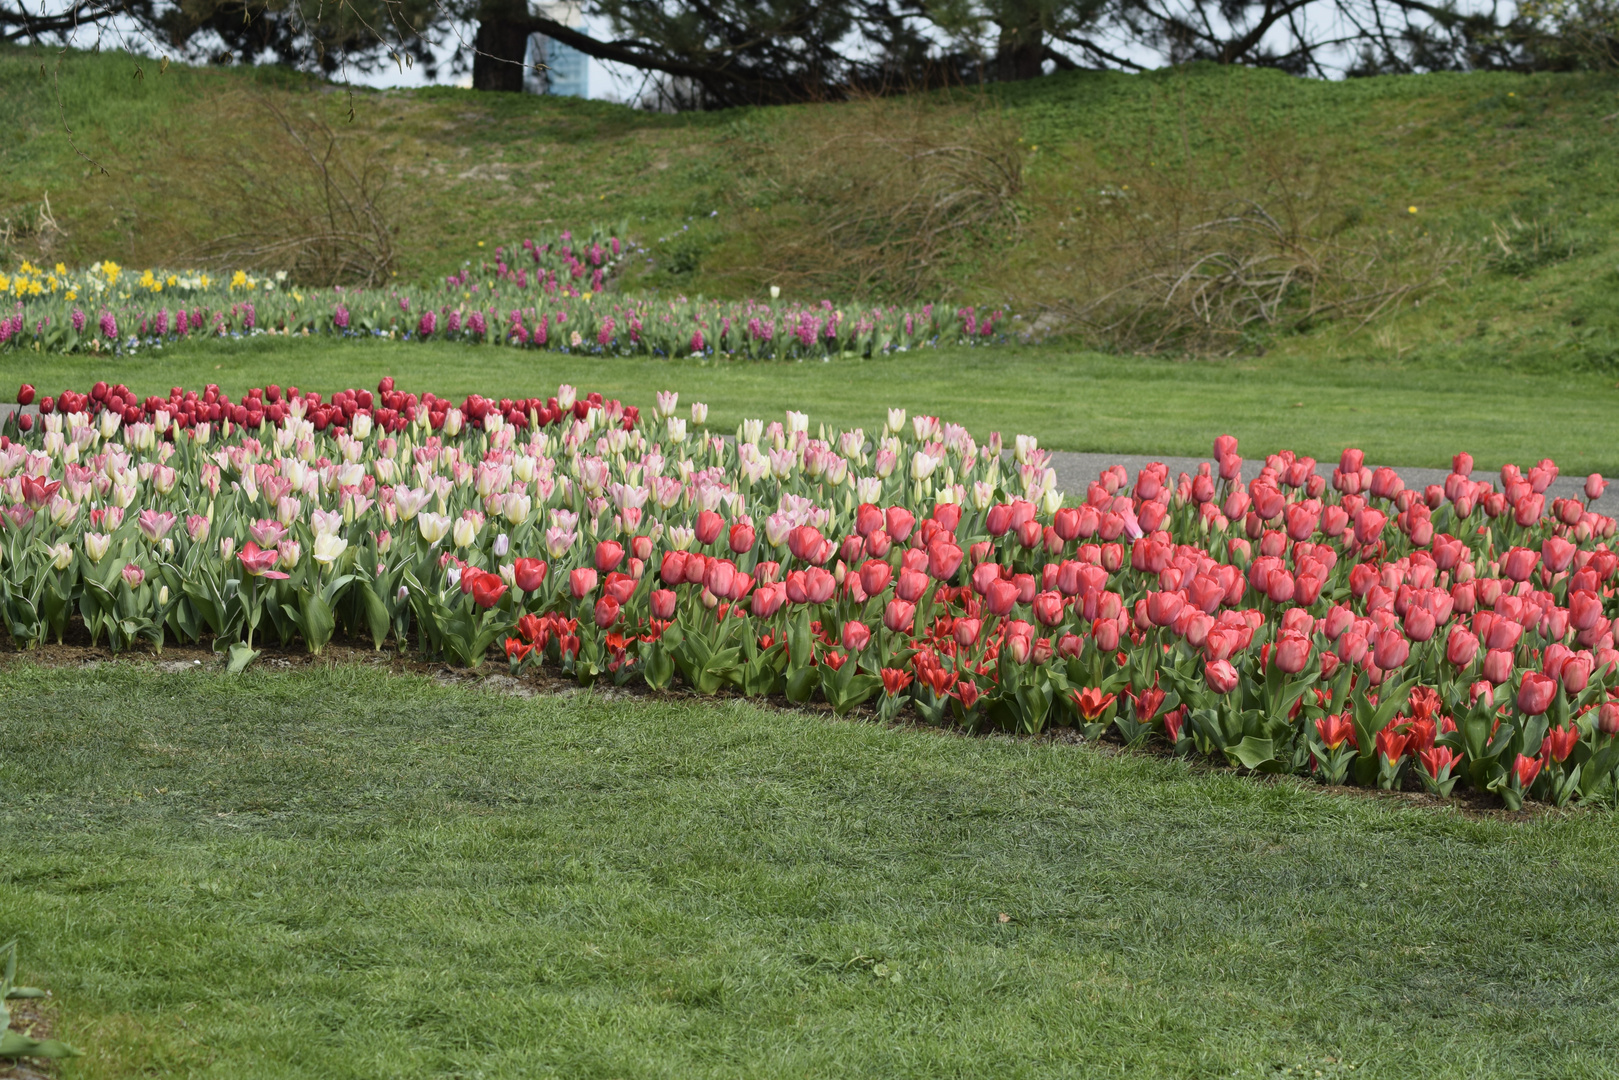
(543, 293)
(1356, 630)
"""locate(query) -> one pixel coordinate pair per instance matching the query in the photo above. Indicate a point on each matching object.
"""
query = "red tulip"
(1162, 607)
(708, 526)
(1461, 647)
(1292, 653)
(911, 585)
(609, 553)
(1000, 596)
(1420, 623)
(1498, 666)
(868, 519)
(1557, 553)
(37, 491)
(998, 522)
(1070, 646)
(899, 522)
(1560, 742)
(895, 680)
(1369, 526)
(1608, 718)
(1106, 635)
(805, 543)
(1526, 768)
(582, 582)
(1048, 608)
(529, 574)
(944, 559)
(856, 636)
(897, 616)
(1535, 693)
(606, 613)
(818, 585)
(1091, 702)
(532, 629)
(25, 394)
(1335, 730)
(663, 603)
(1519, 564)
(1391, 744)
(1392, 650)
(742, 537)
(1221, 676)
(1584, 609)
(1576, 672)
(875, 576)
(966, 631)
(768, 600)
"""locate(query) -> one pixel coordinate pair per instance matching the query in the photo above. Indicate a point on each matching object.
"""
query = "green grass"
(1407, 412)
(338, 872)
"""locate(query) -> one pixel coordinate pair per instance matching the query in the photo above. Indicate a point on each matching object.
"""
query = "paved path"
(1075, 471)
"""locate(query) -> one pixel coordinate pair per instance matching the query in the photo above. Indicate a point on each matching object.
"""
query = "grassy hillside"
(1497, 182)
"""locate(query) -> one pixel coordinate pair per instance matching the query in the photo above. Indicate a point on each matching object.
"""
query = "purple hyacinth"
(78, 321)
(109, 326)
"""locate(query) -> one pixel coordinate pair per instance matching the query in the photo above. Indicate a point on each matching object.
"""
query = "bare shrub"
(304, 199)
(1205, 250)
(879, 197)
(34, 232)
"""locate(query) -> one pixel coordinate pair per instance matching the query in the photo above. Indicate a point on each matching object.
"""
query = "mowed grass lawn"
(1413, 413)
(340, 872)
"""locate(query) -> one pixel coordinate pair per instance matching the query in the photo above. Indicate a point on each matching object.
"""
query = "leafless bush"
(304, 199)
(34, 231)
(877, 197)
(1205, 255)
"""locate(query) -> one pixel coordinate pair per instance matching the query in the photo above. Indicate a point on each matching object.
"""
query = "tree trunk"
(502, 46)
(1021, 50)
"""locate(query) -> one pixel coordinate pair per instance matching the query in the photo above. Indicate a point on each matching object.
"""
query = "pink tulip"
(1519, 564)
(1535, 693)
(1292, 653)
(1048, 608)
(1000, 596)
(258, 562)
(1392, 650)
(911, 585)
(819, 585)
(897, 616)
(742, 537)
(966, 631)
(1221, 677)
(856, 636)
(609, 553)
(1595, 485)
(1498, 666)
(1576, 672)
(708, 526)
(1461, 647)
(582, 582)
(944, 559)
(1584, 609)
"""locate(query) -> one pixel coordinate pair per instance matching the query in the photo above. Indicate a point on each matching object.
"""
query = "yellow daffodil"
(238, 279)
